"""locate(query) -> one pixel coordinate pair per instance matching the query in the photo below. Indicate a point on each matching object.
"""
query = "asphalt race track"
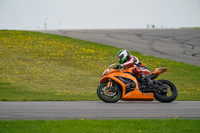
(98, 110)
(175, 44)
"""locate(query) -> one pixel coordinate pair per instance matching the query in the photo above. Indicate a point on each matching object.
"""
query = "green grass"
(36, 66)
(101, 126)
(190, 28)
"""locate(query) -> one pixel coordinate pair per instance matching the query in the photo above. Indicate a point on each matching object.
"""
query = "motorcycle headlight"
(105, 73)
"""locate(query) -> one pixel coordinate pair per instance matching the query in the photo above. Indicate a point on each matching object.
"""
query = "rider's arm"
(129, 63)
(136, 62)
(133, 62)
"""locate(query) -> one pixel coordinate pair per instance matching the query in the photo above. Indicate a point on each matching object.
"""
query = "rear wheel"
(169, 94)
(109, 95)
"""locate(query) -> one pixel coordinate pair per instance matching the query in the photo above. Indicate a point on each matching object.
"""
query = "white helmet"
(123, 56)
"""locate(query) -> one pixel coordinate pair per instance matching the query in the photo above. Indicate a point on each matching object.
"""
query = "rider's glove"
(119, 66)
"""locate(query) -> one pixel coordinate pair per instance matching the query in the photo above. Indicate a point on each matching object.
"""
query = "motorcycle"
(116, 84)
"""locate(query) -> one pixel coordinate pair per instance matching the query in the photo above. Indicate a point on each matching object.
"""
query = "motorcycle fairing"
(136, 94)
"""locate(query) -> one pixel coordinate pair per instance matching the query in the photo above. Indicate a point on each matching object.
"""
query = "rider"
(127, 60)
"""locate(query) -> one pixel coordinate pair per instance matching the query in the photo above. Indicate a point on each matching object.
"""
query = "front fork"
(110, 86)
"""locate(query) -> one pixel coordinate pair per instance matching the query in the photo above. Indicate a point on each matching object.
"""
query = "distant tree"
(45, 25)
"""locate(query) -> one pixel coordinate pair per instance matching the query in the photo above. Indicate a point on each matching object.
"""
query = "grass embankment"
(190, 28)
(37, 66)
(101, 126)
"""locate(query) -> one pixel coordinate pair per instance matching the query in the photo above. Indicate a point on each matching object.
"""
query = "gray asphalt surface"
(98, 110)
(175, 44)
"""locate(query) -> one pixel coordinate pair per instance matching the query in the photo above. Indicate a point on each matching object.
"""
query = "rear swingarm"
(157, 86)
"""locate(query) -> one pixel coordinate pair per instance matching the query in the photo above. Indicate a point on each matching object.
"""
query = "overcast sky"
(98, 14)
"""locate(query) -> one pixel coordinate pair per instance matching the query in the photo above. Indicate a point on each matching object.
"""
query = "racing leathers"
(138, 68)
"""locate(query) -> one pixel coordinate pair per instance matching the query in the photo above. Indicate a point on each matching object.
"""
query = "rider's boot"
(147, 80)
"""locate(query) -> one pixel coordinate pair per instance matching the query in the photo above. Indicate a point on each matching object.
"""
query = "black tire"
(106, 98)
(163, 97)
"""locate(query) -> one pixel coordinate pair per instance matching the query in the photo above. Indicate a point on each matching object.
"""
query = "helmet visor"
(120, 58)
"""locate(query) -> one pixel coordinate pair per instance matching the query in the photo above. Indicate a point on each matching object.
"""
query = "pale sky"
(98, 14)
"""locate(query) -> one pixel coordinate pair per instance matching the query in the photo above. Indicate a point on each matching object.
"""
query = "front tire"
(110, 97)
(168, 97)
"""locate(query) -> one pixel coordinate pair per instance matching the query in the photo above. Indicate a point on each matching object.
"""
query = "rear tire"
(163, 97)
(105, 97)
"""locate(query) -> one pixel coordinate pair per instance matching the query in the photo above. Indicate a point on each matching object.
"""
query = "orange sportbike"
(116, 84)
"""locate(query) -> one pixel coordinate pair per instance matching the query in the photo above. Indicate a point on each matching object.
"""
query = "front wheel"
(169, 95)
(108, 96)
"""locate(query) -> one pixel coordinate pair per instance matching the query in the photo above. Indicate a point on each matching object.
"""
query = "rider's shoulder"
(134, 57)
